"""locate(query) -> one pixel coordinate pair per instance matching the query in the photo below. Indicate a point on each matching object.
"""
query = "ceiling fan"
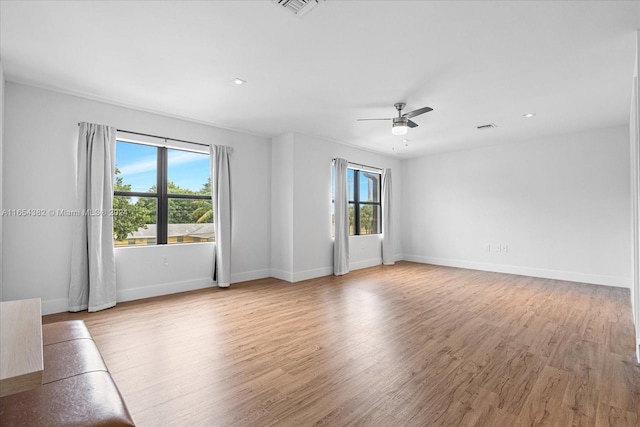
(402, 123)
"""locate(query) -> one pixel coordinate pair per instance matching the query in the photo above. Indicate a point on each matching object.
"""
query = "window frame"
(162, 195)
(356, 202)
(357, 231)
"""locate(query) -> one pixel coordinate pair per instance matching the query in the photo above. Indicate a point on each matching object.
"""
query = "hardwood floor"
(403, 345)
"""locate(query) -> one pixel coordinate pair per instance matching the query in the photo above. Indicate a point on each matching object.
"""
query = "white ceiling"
(474, 62)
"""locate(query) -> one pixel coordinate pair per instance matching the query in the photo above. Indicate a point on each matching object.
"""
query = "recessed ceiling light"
(239, 81)
(528, 115)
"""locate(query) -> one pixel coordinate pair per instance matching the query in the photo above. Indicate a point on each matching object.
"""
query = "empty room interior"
(320, 212)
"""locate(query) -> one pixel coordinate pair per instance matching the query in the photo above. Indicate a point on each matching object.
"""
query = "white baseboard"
(249, 275)
(299, 276)
(327, 271)
(163, 289)
(287, 276)
(53, 306)
(358, 265)
(615, 281)
(61, 305)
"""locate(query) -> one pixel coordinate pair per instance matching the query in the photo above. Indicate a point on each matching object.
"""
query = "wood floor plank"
(622, 389)
(409, 344)
(611, 416)
(582, 392)
(545, 398)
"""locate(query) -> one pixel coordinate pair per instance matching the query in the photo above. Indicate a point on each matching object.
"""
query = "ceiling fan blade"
(360, 120)
(412, 124)
(417, 112)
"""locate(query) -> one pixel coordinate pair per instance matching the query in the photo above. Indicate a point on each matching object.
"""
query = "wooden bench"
(77, 388)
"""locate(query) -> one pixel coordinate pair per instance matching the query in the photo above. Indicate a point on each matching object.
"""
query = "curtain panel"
(93, 267)
(341, 241)
(387, 234)
(221, 200)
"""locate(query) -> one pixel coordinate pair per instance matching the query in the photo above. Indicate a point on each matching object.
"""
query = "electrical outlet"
(498, 248)
(487, 248)
(505, 248)
(165, 260)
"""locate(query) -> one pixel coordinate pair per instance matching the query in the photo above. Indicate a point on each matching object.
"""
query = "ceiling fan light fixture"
(399, 130)
(400, 126)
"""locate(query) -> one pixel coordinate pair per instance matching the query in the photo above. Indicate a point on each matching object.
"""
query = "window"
(161, 196)
(365, 213)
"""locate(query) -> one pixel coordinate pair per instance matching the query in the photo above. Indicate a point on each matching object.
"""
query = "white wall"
(312, 244)
(561, 205)
(634, 133)
(39, 156)
(1, 164)
(282, 207)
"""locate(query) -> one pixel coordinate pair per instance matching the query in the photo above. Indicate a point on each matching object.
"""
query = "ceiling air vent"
(489, 126)
(298, 7)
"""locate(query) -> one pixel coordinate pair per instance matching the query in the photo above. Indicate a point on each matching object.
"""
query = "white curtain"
(93, 267)
(341, 241)
(634, 132)
(387, 235)
(221, 199)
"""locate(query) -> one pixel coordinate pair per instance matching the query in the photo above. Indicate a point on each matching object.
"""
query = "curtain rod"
(360, 164)
(160, 137)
